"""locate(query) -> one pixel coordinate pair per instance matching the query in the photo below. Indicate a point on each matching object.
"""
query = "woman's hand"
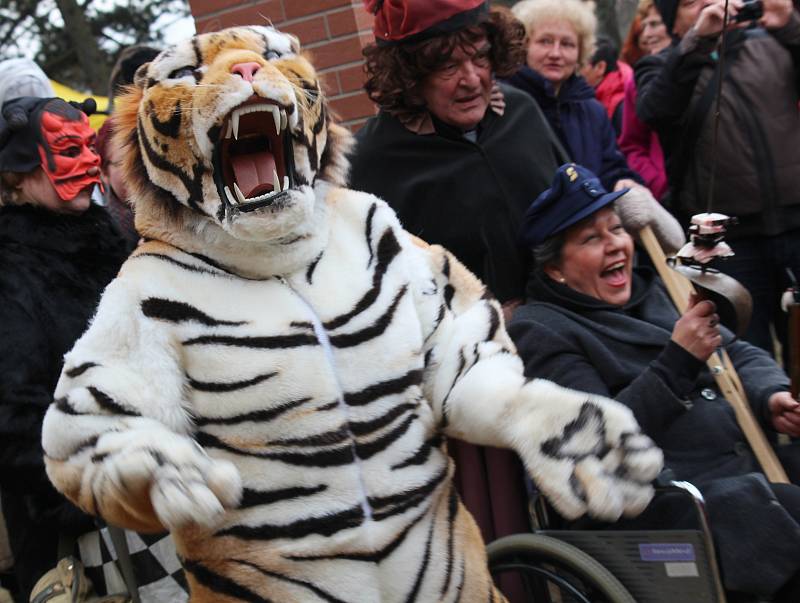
(697, 331)
(785, 412)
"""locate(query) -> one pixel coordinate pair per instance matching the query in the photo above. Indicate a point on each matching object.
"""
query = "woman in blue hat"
(594, 322)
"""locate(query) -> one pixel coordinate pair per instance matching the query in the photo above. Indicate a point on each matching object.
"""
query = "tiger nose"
(246, 71)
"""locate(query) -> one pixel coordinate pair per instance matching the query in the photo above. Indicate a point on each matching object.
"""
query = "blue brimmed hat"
(575, 194)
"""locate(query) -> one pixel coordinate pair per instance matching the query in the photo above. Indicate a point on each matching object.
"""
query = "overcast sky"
(177, 30)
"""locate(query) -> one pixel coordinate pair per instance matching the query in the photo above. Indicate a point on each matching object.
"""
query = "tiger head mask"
(229, 130)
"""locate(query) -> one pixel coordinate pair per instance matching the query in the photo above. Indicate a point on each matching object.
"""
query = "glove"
(638, 208)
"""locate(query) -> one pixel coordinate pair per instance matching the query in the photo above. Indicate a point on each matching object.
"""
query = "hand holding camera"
(712, 17)
(776, 13)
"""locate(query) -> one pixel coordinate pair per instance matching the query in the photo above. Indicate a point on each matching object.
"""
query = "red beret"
(410, 21)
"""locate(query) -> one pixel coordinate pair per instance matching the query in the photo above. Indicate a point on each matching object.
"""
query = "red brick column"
(333, 31)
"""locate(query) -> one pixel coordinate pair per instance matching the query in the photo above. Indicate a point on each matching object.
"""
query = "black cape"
(467, 196)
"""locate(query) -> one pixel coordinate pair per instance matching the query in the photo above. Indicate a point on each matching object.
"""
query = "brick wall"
(333, 31)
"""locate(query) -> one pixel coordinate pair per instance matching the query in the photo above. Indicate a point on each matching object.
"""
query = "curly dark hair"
(395, 73)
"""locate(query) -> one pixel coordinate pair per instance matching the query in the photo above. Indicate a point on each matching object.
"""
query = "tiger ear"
(140, 77)
(295, 43)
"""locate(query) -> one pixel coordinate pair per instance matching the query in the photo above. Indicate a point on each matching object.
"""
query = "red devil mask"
(67, 150)
(53, 134)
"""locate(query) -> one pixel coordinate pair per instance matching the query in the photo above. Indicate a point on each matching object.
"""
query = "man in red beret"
(457, 156)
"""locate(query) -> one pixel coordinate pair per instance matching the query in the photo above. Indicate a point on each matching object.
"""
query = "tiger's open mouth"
(253, 159)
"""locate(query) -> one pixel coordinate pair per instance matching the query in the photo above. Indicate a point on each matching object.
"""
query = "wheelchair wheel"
(553, 570)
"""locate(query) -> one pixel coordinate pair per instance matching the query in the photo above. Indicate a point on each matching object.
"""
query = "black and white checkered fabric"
(155, 564)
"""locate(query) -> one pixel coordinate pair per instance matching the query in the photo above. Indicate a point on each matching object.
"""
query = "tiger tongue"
(254, 172)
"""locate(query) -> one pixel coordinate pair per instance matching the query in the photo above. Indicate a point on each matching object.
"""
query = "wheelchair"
(610, 565)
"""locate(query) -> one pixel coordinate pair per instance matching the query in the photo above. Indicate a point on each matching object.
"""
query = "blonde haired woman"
(560, 39)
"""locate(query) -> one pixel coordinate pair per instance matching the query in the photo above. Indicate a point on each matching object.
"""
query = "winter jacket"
(580, 122)
(758, 151)
(52, 270)
(641, 147)
(626, 353)
(466, 196)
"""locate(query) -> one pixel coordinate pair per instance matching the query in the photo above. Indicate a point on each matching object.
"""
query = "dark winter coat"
(758, 151)
(580, 122)
(625, 352)
(467, 196)
(52, 271)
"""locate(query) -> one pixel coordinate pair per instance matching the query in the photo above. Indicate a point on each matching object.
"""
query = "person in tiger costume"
(274, 373)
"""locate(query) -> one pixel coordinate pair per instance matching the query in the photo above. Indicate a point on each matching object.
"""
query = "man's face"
(687, 13)
(458, 93)
(68, 154)
(593, 74)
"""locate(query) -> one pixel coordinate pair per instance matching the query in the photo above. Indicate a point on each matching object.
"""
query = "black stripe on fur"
(327, 525)
(270, 342)
(221, 584)
(170, 128)
(254, 498)
(388, 248)
(220, 387)
(384, 388)
(412, 596)
(377, 328)
(107, 403)
(326, 596)
(452, 511)
(370, 216)
(368, 450)
(371, 557)
(256, 415)
(178, 263)
(421, 455)
(79, 370)
(173, 311)
(362, 428)
(333, 457)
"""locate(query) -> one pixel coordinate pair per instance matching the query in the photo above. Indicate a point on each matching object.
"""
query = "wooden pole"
(720, 365)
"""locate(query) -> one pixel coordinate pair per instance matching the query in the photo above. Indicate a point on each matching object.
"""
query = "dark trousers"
(759, 264)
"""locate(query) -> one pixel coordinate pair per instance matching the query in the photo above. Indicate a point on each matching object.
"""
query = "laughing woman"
(595, 323)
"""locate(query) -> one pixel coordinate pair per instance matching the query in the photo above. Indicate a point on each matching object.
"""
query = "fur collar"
(91, 232)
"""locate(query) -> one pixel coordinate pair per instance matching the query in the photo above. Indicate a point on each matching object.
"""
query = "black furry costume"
(52, 270)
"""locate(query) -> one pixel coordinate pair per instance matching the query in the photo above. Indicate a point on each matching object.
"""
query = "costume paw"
(594, 460)
(185, 485)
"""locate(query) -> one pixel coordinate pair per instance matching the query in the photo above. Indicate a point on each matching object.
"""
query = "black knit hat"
(668, 9)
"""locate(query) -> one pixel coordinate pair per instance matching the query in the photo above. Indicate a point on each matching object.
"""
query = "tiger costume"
(273, 374)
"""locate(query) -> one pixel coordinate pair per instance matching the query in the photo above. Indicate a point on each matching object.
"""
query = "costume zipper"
(327, 349)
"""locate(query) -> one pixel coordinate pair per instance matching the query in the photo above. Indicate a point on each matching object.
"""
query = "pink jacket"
(639, 143)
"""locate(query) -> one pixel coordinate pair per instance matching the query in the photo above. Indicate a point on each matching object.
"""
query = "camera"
(750, 11)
